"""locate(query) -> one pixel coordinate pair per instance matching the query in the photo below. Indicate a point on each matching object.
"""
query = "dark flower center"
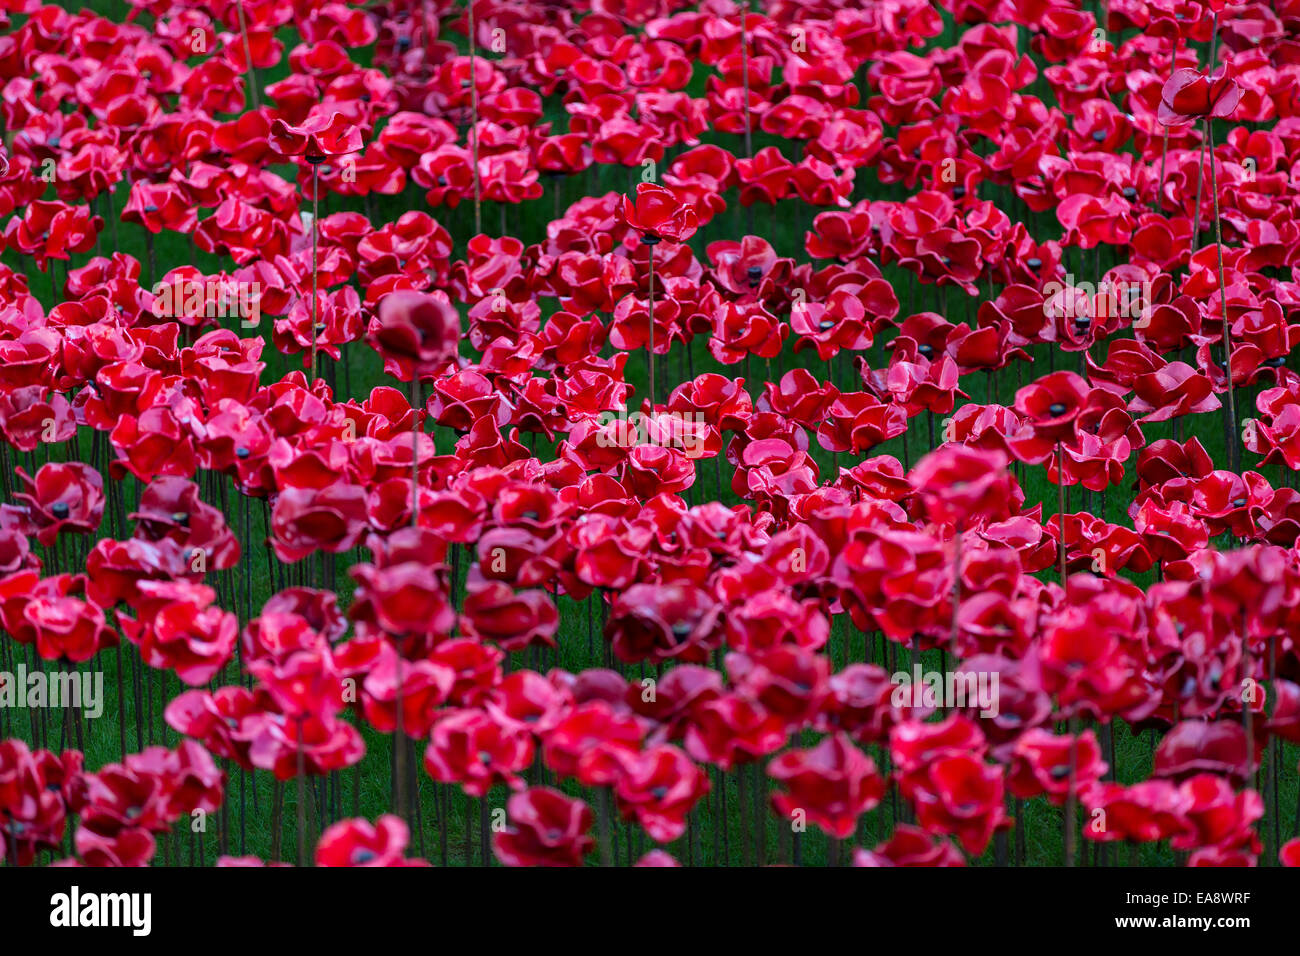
(1098, 135)
(59, 509)
(1057, 409)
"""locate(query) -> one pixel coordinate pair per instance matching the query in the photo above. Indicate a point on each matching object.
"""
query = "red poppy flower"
(962, 796)
(472, 749)
(1042, 763)
(357, 843)
(657, 214)
(910, 846)
(320, 135)
(305, 520)
(658, 789)
(1052, 404)
(61, 496)
(832, 784)
(1190, 95)
(961, 486)
(415, 333)
(546, 828)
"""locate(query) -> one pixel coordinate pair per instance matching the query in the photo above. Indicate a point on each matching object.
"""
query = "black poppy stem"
(744, 69)
(248, 54)
(399, 746)
(416, 401)
(1164, 149)
(473, 119)
(956, 586)
(401, 806)
(651, 242)
(1272, 749)
(1060, 520)
(1246, 715)
(277, 817)
(603, 813)
(1234, 447)
(1200, 191)
(151, 258)
(1071, 797)
(315, 205)
(302, 800)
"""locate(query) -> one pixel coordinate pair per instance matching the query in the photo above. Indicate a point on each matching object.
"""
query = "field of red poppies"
(644, 432)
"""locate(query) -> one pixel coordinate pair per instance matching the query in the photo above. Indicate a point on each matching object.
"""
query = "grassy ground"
(365, 789)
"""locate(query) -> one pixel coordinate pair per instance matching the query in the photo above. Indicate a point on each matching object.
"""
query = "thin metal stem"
(315, 207)
(473, 130)
(248, 54)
